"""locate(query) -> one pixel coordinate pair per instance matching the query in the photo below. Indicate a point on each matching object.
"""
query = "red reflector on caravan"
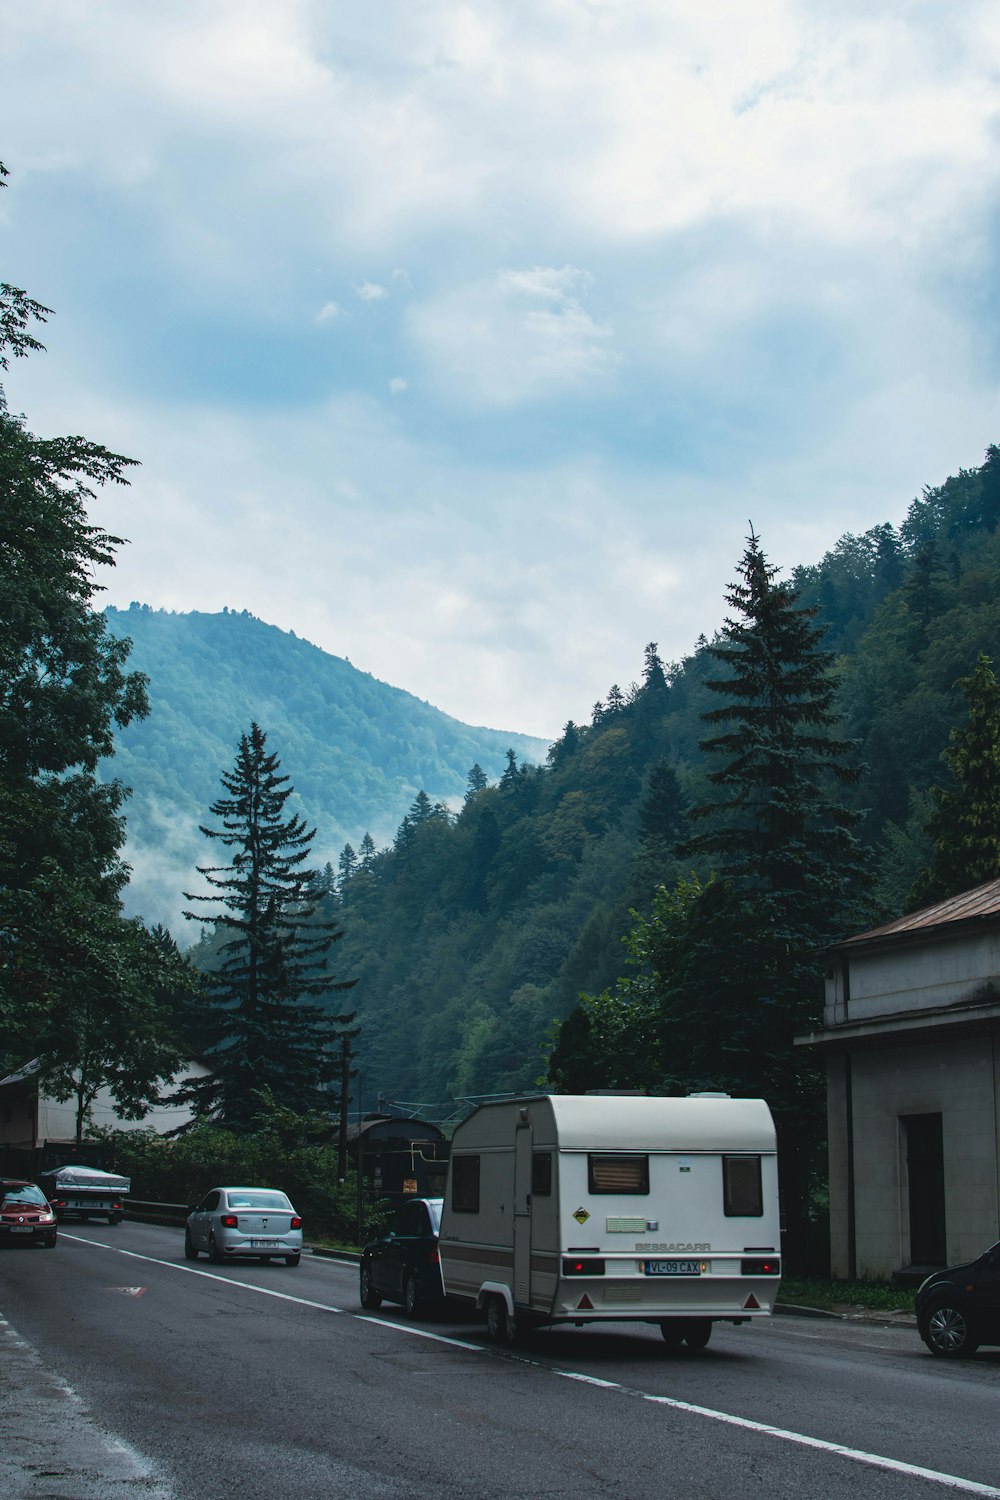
(751, 1302)
(584, 1302)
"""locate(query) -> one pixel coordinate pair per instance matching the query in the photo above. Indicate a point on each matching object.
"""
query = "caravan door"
(522, 1216)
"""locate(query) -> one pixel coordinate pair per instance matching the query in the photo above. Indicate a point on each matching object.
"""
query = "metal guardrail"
(146, 1212)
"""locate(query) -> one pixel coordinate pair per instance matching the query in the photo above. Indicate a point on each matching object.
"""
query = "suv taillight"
(229, 1221)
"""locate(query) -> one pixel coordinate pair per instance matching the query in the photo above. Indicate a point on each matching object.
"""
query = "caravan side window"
(618, 1174)
(541, 1174)
(742, 1193)
(465, 1184)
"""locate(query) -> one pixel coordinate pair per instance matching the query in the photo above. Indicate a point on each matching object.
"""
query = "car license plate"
(673, 1268)
(21, 1229)
(263, 1244)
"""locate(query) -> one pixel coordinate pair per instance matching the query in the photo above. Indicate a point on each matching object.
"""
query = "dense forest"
(359, 750)
(472, 934)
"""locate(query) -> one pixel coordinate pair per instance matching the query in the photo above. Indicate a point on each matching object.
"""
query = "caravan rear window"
(618, 1174)
(743, 1196)
(465, 1184)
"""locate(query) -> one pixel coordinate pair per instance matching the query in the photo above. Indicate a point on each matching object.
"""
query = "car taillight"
(229, 1221)
(760, 1267)
(296, 1222)
(433, 1257)
(583, 1268)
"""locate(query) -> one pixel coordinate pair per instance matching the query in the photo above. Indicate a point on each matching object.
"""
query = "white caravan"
(588, 1208)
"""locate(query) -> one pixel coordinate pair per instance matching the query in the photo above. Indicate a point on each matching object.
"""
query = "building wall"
(27, 1119)
(956, 1078)
(912, 977)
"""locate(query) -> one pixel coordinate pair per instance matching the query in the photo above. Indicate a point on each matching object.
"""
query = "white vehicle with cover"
(589, 1208)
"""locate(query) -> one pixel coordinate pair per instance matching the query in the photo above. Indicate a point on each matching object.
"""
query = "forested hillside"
(472, 934)
(357, 749)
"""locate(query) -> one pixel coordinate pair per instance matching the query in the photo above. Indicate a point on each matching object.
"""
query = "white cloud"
(397, 385)
(520, 335)
(371, 291)
(330, 312)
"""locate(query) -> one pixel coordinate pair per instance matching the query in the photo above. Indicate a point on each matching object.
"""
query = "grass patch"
(837, 1296)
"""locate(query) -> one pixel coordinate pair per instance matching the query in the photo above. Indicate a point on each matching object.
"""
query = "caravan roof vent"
(708, 1095)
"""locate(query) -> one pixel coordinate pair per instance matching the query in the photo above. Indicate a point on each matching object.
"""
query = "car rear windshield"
(23, 1193)
(257, 1200)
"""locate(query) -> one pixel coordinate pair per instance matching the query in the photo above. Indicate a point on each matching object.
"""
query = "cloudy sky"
(465, 339)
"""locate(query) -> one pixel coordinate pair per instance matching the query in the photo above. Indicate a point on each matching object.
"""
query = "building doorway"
(925, 1189)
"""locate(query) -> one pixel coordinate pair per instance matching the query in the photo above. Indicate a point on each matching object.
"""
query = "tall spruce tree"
(789, 866)
(965, 821)
(263, 1026)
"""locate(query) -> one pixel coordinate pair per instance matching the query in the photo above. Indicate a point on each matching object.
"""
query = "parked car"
(403, 1264)
(25, 1214)
(959, 1308)
(232, 1223)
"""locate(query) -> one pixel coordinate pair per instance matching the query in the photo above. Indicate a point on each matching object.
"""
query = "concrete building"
(37, 1130)
(910, 1035)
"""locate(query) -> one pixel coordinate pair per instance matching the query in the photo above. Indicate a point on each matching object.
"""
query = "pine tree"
(263, 1027)
(367, 851)
(662, 820)
(477, 781)
(965, 821)
(347, 864)
(789, 868)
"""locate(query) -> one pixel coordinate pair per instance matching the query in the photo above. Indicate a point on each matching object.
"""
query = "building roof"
(982, 903)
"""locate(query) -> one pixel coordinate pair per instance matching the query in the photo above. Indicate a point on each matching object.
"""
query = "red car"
(25, 1214)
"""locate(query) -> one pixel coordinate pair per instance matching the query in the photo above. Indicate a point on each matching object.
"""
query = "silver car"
(235, 1222)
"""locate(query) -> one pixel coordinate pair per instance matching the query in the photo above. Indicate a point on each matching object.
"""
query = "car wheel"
(190, 1248)
(411, 1297)
(697, 1332)
(114, 1218)
(214, 1253)
(293, 1260)
(49, 1242)
(370, 1298)
(672, 1330)
(948, 1333)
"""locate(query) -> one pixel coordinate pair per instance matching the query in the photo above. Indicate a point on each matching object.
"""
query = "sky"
(468, 340)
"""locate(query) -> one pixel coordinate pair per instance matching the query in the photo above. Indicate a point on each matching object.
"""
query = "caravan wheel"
(501, 1328)
(672, 1330)
(698, 1332)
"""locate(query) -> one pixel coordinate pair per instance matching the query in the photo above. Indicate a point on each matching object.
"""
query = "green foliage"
(277, 1149)
(258, 1029)
(965, 821)
(89, 994)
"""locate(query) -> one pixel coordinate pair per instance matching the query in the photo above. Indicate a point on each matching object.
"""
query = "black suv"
(403, 1264)
(959, 1308)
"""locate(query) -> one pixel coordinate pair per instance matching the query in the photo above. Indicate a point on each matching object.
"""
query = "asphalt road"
(239, 1382)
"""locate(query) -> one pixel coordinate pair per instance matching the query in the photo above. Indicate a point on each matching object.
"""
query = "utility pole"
(345, 1104)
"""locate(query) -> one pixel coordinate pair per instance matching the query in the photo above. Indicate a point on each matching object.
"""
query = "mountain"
(471, 935)
(357, 750)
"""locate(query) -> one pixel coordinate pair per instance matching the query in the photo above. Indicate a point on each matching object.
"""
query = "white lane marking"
(420, 1333)
(873, 1460)
(173, 1265)
(857, 1455)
